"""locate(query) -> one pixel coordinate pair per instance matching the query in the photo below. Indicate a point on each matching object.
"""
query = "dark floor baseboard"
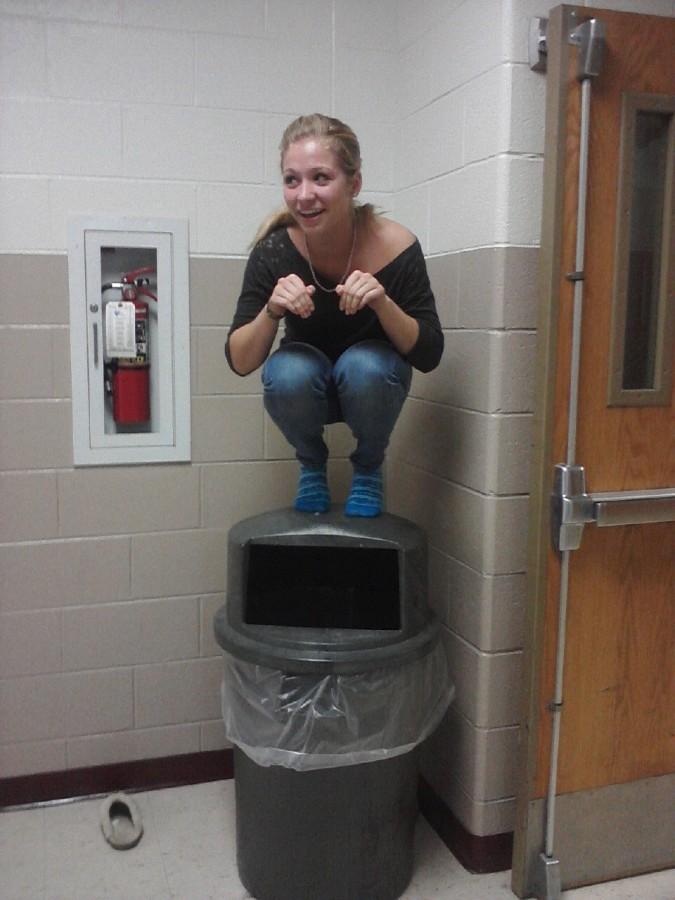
(491, 853)
(480, 855)
(137, 775)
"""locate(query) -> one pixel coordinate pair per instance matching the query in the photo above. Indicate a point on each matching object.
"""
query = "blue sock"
(312, 493)
(365, 498)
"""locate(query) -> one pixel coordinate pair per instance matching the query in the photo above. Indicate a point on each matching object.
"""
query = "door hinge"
(536, 45)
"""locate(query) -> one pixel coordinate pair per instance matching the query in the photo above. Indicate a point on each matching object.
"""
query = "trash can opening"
(322, 587)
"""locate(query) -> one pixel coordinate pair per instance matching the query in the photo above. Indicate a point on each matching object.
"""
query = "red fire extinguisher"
(129, 375)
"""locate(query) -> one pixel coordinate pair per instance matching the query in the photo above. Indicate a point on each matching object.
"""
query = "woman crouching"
(359, 314)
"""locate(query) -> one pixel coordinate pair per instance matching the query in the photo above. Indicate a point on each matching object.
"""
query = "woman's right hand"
(292, 295)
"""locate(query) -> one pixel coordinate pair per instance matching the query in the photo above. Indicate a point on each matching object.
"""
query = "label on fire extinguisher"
(120, 329)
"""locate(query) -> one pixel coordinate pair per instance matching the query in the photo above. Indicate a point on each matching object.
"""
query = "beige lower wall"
(458, 466)
(110, 576)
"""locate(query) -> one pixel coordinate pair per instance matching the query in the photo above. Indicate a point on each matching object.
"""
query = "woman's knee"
(295, 368)
(372, 364)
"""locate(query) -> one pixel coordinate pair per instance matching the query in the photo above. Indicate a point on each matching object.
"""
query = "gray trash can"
(334, 675)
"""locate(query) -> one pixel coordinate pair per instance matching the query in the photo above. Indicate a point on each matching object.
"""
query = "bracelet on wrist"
(271, 315)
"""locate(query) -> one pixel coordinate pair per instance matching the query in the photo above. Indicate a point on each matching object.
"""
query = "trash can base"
(343, 833)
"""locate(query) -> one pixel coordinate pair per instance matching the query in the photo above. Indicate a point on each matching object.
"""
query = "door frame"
(541, 471)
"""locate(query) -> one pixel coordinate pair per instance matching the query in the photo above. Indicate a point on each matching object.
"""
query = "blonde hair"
(342, 141)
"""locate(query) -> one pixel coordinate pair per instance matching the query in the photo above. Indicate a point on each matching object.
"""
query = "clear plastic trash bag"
(307, 721)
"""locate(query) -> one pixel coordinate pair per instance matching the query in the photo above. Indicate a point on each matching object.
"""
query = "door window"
(641, 359)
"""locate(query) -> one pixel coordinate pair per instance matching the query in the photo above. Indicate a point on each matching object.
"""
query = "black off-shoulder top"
(404, 279)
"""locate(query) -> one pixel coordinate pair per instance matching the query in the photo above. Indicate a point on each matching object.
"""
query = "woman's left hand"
(359, 290)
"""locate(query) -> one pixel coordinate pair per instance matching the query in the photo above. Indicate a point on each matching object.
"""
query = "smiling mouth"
(311, 214)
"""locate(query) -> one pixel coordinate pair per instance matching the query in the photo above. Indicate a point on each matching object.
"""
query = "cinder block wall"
(468, 175)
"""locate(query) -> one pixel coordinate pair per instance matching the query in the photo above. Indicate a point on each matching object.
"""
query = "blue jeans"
(366, 388)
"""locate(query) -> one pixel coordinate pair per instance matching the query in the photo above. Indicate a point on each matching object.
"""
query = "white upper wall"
(469, 158)
(169, 108)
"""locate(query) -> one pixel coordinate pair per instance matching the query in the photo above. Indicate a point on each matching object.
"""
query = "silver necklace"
(344, 274)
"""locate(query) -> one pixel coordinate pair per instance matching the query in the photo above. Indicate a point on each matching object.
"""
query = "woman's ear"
(357, 181)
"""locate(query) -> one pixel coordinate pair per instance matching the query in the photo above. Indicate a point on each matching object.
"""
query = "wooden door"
(615, 763)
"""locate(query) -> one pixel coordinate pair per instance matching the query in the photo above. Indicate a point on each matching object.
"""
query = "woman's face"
(317, 192)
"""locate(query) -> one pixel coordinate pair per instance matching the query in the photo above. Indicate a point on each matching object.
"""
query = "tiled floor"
(187, 853)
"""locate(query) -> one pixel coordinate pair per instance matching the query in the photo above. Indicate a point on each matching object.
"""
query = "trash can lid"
(326, 593)
(327, 650)
(289, 526)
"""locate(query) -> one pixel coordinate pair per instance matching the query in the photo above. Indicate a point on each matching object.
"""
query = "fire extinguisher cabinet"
(130, 373)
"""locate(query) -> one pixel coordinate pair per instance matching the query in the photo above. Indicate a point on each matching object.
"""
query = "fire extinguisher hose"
(130, 277)
(146, 293)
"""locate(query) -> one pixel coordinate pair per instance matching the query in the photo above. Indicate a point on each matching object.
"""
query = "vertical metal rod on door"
(578, 275)
(589, 39)
(557, 701)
